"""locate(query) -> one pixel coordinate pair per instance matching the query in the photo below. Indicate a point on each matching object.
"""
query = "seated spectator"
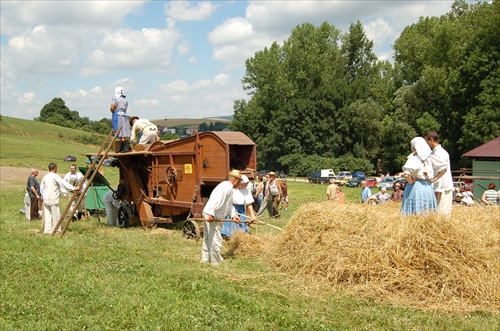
(490, 196)
(397, 194)
(467, 197)
(381, 196)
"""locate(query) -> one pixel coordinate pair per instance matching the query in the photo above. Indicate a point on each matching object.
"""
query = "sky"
(174, 59)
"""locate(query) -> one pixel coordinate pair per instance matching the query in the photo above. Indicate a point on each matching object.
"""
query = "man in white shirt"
(50, 187)
(443, 187)
(75, 178)
(147, 130)
(218, 206)
(381, 196)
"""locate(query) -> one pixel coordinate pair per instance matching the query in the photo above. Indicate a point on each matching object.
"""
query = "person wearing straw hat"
(218, 206)
(147, 130)
(242, 199)
(272, 194)
(397, 194)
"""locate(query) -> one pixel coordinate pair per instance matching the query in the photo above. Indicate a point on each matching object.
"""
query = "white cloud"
(16, 15)
(127, 49)
(233, 30)
(186, 11)
(26, 98)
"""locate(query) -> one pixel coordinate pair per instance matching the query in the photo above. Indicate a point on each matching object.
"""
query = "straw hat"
(132, 119)
(272, 173)
(235, 173)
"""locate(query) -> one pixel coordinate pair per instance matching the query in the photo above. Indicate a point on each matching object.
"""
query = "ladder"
(80, 195)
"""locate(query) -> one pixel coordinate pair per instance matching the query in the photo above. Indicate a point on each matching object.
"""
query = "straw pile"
(428, 262)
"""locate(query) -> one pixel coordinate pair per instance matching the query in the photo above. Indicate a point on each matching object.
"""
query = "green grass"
(101, 278)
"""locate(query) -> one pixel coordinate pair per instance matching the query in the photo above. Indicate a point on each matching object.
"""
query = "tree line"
(323, 99)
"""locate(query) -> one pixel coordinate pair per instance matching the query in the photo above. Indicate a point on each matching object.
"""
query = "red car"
(371, 182)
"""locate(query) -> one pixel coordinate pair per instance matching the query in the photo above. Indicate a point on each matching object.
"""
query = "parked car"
(70, 158)
(109, 162)
(371, 182)
(321, 177)
(263, 172)
(89, 160)
(343, 177)
(354, 182)
(387, 182)
(359, 174)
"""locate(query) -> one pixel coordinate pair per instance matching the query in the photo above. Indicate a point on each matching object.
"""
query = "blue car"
(359, 174)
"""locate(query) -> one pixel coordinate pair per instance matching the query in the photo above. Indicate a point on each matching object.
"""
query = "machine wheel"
(191, 230)
(123, 217)
(171, 175)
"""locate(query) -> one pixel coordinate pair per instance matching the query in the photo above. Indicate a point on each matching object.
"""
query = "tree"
(450, 65)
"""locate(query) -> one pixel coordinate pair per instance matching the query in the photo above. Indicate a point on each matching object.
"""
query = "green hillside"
(26, 143)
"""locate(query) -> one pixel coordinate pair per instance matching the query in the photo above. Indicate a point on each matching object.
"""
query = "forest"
(323, 99)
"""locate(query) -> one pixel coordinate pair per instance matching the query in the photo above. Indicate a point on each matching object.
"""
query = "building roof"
(233, 137)
(489, 150)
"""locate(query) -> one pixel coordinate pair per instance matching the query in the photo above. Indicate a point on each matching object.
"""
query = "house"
(485, 166)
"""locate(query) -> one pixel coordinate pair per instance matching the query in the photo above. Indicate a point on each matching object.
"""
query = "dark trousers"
(34, 208)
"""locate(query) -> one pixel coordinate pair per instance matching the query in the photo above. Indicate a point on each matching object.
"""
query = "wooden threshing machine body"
(171, 180)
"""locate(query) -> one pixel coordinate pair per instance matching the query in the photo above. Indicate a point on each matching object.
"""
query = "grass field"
(101, 278)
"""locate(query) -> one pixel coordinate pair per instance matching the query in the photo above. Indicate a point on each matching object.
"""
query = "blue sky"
(174, 59)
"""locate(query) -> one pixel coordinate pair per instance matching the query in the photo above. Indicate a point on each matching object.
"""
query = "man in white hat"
(272, 196)
(219, 205)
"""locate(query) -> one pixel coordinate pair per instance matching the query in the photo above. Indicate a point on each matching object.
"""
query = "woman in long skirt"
(419, 194)
(242, 199)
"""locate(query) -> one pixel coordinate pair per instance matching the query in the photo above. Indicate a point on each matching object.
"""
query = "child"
(340, 195)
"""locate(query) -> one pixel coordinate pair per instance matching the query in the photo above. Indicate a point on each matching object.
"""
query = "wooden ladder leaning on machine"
(80, 195)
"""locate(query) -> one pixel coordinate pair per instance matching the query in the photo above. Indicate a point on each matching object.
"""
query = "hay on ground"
(429, 262)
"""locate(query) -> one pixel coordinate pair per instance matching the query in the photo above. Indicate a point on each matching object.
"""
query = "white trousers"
(212, 243)
(445, 203)
(148, 137)
(51, 215)
(111, 213)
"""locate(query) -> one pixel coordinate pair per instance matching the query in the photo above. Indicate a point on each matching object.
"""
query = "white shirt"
(139, 125)
(220, 203)
(75, 179)
(242, 196)
(445, 183)
(51, 186)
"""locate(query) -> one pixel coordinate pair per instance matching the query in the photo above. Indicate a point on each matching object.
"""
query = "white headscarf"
(119, 92)
(422, 148)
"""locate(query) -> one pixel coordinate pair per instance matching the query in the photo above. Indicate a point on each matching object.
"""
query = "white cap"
(244, 179)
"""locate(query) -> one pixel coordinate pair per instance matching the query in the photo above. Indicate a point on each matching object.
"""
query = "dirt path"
(15, 178)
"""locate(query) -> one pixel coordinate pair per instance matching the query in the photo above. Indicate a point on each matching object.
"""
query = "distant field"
(186, 122)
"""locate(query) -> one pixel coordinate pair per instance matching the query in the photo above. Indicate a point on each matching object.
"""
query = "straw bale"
(430, 262)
